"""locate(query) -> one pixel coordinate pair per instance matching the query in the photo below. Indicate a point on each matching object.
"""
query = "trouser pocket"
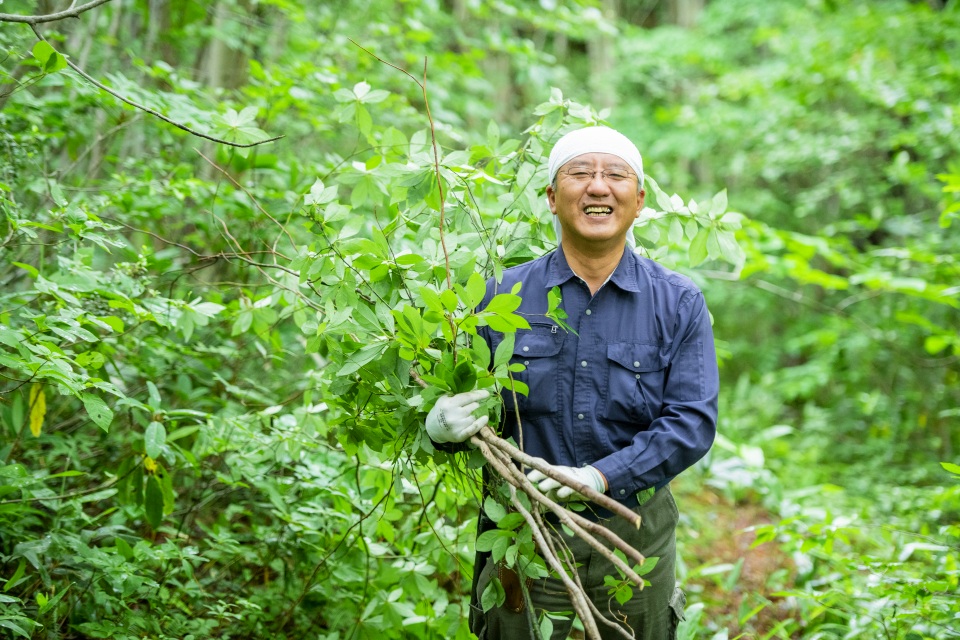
(678, 602)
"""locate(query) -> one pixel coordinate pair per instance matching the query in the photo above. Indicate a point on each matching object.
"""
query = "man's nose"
(597, 184)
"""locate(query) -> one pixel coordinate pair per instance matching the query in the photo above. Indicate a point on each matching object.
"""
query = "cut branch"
(577, 523)
(52, 17)
(136, 105)
(577, 597)
(598, 615)
(491, 438)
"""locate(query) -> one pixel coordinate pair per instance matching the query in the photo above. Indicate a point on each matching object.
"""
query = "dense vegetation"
(209, 423)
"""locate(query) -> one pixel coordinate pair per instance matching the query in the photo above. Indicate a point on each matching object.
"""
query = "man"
(623, 403)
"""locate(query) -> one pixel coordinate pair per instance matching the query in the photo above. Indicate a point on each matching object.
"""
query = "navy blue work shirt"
(633, 392)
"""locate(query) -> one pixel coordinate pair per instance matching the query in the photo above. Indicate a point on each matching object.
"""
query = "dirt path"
(724, 570)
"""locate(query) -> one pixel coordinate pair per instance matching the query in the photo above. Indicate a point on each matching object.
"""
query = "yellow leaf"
(38, 408)
(149, 464)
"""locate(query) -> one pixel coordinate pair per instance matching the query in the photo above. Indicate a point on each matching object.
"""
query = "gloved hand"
(452, 419)
(586, 475)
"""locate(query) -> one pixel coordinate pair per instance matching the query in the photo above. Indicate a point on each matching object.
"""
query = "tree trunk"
(600, 51)
(499, 72)
(157, 25)
(686, 12)
(214, 63)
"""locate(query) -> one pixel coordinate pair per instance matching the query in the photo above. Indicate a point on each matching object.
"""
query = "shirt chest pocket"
(635, 382)
(539, 351)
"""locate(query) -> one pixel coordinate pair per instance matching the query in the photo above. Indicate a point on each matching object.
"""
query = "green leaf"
(500, 546)
(698, 248)
(9, 624)
(481, 351)
(475, 290)
(504, 350)
(648, 565)
(510, 521)
(50, 603)
(124, 549)
(494, 509)
(546, 627)
(493, 595)
(503, 303)
(15, 578)
(623, 593)
(675, 234)
(506, 323)
(28, 268)
(449, 300)
(42, 52)
(487, 539)
(154, 395)
(729, 248)
(464, 377)
(153, 502)
(362, 357)
(719, 204)
(952, 468)
(56, 62)
(98, 410)
(154, 438)
(364, 121)
(713, 244)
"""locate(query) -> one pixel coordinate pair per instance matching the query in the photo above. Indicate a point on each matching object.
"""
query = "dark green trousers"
(652, 614)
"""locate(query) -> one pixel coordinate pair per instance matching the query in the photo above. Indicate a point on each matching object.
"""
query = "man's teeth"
(597, 211)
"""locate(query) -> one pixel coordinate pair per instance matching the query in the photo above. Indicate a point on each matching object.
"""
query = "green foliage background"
(209, 425)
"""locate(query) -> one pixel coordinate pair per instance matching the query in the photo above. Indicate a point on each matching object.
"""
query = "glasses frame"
(579, 175)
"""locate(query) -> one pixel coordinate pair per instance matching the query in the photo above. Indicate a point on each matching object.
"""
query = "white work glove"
(585, 475)
(452, 419)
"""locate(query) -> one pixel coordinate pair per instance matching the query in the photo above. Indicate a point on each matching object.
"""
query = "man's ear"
(552, 199)
(641, 197)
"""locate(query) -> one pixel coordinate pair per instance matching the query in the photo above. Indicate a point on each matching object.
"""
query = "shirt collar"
(623, 276)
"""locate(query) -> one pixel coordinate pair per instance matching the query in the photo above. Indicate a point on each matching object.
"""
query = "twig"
(52, 17)
(73, 494)
(249, 195)
(436, 168)
(309, 583)
(433, 136)
(157, 114)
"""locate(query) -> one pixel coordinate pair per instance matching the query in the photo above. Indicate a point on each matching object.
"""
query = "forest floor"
(725, 571)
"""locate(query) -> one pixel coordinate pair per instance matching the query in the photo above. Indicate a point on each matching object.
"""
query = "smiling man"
(623, 403)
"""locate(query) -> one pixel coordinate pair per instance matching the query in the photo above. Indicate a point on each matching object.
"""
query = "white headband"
(594, 140)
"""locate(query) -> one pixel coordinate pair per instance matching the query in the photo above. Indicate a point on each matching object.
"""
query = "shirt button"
(637, 376)
(623, 491)
(528, 349)
(583, 363)
(583, 464)
(579, 416)
(636, 363)
(589, 312)
(526, 362)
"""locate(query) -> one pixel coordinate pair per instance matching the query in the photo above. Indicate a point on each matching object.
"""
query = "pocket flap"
(636, 357)
(539, 342)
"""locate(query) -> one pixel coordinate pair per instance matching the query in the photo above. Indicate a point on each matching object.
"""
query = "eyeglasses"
(610, 176)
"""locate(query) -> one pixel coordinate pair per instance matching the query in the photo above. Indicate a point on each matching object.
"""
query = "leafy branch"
(136, 105)
(73, 12)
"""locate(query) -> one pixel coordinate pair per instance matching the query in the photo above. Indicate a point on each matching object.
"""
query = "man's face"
(595, 213)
